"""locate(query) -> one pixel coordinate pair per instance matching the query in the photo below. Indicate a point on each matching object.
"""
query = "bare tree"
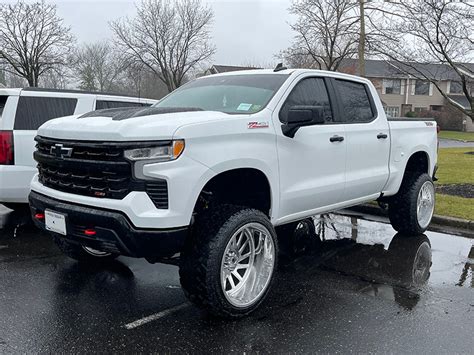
(138, 80)
(33, 39)
(361, 44)
(327, 31)
(3, 77)
(169, 37)
(296, 57)
(429, 40)
(57, 78)
(98, 66)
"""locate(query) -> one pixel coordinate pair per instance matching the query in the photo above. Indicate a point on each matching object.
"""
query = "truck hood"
(126, 124)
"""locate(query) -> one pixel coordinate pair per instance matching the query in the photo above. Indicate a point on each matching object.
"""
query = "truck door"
(312, 163)
(367, 140)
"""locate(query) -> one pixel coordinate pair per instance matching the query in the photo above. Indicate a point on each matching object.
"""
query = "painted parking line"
(156, 316)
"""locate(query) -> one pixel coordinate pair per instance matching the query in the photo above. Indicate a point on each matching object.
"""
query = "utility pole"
(362, 39)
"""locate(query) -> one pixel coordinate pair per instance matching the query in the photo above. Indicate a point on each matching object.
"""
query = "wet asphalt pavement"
(363, 290)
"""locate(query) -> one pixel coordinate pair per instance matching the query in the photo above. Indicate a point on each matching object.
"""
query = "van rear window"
(32, 112)
(104, 104)
(3, 101)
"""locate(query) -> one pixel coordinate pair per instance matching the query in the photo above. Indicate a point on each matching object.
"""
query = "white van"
(22, 111)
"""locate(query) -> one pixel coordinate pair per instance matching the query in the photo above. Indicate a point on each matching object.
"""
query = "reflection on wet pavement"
(373, 247)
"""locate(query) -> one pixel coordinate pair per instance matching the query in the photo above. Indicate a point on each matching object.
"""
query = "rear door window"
(105, 104)
(356, 105)
(32, 111)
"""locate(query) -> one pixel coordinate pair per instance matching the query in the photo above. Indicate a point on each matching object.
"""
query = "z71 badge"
(252, 125)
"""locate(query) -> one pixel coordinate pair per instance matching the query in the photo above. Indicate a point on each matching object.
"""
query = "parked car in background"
(22, 111)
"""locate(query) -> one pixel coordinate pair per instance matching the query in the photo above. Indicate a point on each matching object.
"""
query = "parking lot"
(361, 290)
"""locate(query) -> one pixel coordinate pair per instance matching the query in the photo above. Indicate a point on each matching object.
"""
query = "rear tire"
(409, 260)
(81, 253)
(411, 209)
(213, 270)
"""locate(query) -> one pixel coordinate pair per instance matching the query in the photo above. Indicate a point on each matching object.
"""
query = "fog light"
(39, 215)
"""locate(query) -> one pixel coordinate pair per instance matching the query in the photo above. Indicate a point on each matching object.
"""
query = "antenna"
(279, 67)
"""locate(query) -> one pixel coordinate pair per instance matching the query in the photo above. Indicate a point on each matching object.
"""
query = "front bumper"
(114, 232)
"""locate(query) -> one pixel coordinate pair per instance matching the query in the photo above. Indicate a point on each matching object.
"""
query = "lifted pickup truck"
(215, 170)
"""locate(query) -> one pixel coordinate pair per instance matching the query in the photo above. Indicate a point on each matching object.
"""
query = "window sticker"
(244, 107)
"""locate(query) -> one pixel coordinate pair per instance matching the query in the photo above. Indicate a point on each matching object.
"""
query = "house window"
(392, 111)
(422, 87)
(455, 87)
(420, 109)
(392, 86)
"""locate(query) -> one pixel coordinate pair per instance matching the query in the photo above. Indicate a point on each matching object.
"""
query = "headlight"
(167, 152)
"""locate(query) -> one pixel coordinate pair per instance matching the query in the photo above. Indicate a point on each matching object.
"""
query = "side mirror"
(299, 116)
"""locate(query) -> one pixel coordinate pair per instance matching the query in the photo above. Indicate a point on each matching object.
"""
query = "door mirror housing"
(299, 116)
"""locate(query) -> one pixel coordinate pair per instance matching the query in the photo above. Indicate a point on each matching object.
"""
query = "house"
(401, 93)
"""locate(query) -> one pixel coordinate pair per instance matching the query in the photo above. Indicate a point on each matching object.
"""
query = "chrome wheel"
(425, 204)
(247, 265)
(97, 253)
(421, 265)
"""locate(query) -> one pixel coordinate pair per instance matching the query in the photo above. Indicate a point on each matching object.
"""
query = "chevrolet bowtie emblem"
(59, 151)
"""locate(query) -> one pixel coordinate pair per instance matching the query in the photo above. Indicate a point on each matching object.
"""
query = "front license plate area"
(55, 222)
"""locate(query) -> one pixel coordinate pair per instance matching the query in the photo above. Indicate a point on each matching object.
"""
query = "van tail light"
(6, 148)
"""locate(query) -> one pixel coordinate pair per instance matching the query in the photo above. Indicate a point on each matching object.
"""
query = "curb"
(463, 226)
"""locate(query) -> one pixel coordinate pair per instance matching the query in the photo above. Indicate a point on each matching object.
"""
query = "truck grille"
(93, 169)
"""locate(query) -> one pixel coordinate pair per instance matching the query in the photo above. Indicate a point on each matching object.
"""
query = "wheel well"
(418, 163)
(243, 187)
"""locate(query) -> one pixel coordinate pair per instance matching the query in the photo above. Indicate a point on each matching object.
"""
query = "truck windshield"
(230, 94)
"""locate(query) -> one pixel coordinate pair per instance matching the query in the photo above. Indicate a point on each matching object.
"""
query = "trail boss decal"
(252, 125)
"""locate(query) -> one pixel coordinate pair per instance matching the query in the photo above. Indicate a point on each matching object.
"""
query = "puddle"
(375, 252)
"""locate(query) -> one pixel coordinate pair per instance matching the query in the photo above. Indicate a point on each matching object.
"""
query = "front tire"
(411, 209)
(228, 264)
(81, 253)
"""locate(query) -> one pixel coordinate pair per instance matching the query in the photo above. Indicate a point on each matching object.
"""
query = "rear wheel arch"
(418, 163)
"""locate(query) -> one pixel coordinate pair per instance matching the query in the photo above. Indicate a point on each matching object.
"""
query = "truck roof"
(332, 74)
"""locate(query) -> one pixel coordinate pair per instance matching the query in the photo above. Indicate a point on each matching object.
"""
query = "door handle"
(336, 139)
(382, 136)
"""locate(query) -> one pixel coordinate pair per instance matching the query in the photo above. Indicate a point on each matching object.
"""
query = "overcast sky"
(244, 31)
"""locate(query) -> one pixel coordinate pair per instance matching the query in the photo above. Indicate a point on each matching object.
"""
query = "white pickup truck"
(217, 168)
